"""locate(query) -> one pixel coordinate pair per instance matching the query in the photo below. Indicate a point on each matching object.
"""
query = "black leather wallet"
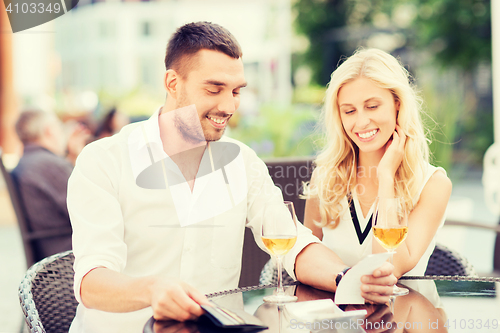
(226, 318)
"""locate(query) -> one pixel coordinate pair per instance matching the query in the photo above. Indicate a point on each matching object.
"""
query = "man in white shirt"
(159, 210)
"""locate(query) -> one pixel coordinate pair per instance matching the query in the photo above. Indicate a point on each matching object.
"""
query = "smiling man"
(159, 210)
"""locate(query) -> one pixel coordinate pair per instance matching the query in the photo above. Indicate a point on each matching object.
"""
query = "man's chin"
(214, 136)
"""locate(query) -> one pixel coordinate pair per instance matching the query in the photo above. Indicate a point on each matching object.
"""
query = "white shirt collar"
(152, 127)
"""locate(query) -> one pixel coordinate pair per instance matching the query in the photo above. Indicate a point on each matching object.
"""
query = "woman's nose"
(362, 120)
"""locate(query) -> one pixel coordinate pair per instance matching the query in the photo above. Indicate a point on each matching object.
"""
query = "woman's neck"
(368, 163)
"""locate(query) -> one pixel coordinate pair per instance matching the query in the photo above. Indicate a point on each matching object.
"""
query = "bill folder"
(226, 318)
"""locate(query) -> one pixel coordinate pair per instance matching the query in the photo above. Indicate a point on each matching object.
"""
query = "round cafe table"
(434, 304)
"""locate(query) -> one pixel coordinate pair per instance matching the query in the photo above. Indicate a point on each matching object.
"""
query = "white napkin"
(348, 290)
(319, 310)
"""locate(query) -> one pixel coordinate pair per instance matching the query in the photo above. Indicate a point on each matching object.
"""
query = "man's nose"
(228, 103)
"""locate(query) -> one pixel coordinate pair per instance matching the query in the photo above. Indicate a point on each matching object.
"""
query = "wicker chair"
(269, 274)
(445, 261)
(46, 294)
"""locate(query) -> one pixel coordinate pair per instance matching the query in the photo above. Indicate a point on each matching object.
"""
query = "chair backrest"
(22, 221)
(46, 294)
(445, 261)
(288, 174)
(29, 236)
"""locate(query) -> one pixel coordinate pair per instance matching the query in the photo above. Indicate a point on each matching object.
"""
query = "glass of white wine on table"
(390, 228)
(279, 233)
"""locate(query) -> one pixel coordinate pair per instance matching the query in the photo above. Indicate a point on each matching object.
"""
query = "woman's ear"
(397, 104)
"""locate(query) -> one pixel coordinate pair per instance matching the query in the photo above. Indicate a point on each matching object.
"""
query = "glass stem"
(280, 314)
(391, 260)
(392, 299)
(280, 290)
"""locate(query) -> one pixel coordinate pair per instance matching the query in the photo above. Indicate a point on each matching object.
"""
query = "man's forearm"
(318, 266)
(107, 290)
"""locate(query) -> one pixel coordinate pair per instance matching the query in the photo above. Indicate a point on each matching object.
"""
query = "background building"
(114, 48)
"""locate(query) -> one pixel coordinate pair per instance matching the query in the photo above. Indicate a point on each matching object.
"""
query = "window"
(106, 29)
(146, 29)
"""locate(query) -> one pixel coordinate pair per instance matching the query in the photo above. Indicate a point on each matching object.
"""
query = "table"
(441, 304)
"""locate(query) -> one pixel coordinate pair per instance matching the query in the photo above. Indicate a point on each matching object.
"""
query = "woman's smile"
(367, 135)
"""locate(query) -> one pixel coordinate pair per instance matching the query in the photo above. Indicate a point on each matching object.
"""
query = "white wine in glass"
(280, 245)
(279, 233)
(390, 238)
(390, 228)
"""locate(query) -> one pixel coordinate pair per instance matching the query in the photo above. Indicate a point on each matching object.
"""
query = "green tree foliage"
(455, 34)
(458, 32)
(323, 22)
(279, 131)
(314, 19)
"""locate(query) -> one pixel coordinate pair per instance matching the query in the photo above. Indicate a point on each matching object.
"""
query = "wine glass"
(390, 228)
(279, 233)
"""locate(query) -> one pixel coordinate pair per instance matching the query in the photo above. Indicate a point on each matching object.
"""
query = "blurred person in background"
(42, 174)
(111, 124)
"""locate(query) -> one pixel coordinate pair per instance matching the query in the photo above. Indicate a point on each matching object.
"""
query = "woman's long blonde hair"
(336, 165)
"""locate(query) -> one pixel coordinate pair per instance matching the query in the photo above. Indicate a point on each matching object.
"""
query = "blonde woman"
(376, 147)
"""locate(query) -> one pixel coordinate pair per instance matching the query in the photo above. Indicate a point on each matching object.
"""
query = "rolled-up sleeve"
(261, 191)
(95, 214)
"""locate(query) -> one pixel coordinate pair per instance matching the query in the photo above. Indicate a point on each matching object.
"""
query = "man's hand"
(176, 300)
(377, 287)
(107, 290)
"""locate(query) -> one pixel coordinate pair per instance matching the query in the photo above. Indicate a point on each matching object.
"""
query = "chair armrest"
(49, 233)
(495, 228)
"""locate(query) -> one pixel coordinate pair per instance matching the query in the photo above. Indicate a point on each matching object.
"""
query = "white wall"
(35, 63)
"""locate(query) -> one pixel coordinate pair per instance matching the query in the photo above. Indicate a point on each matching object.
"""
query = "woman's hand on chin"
(393, 156)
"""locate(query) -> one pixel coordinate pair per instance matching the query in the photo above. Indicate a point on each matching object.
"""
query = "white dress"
(351, 248)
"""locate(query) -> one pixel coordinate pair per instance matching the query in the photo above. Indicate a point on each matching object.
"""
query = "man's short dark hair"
(192, 37)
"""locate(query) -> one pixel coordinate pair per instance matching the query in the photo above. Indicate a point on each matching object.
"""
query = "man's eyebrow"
(214, 83)
(222, 84)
